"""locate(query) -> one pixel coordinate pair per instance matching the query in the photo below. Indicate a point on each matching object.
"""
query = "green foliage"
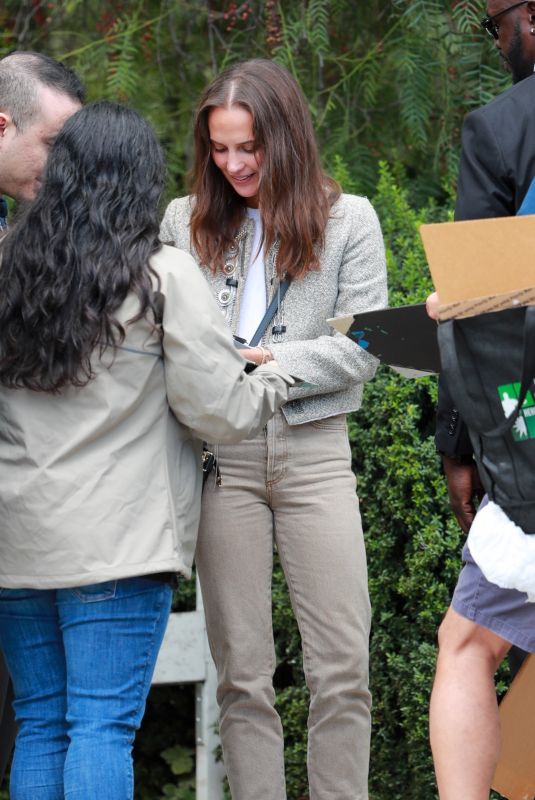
(122, 54)
(184, 595)
(292, 705)
(181, 762)
(384, 80)
(408, 277)
(180, 759)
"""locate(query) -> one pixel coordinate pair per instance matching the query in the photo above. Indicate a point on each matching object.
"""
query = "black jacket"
(496, 170)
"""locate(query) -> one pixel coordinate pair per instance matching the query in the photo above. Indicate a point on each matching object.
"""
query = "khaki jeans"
(294, 485)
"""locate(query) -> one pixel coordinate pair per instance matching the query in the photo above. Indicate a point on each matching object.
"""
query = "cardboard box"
(515, 774)
(481, 265)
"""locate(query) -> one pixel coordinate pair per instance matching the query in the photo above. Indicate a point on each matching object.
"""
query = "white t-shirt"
(253, 301)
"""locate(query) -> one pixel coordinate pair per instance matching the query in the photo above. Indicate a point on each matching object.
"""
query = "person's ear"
(5, 122)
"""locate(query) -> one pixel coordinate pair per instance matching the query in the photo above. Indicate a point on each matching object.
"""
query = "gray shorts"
(506, 612)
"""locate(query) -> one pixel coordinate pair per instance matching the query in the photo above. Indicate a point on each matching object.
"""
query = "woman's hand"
(432, 305)
(258, 355)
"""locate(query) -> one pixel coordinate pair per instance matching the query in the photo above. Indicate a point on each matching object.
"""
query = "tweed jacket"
(103, 481)
(351, 278)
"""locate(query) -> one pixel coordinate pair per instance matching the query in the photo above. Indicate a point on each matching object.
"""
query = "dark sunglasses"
(489, 23)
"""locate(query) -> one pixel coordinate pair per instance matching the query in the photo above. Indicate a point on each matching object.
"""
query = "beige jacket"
(104, 482)
(351, 278)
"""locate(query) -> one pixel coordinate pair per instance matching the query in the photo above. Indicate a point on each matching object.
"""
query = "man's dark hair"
(23, 73)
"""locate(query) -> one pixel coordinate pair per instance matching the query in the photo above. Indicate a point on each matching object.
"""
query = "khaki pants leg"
(296, 483)
(234, 563)
(320, 542)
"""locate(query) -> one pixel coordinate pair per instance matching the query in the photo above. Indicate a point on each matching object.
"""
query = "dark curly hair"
(79, 249)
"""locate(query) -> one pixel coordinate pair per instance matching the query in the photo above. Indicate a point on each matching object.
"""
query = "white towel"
(502, 551)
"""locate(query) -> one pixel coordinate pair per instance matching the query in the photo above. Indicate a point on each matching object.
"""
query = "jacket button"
(224, 297)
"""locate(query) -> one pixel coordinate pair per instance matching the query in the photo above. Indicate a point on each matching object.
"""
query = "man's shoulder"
(516, 99)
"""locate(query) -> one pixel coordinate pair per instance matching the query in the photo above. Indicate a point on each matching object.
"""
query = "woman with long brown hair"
(264, 218)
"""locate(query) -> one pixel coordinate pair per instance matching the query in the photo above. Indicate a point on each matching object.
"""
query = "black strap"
(274, 306)
(448, 354)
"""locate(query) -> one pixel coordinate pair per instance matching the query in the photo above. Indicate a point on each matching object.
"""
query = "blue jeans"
(81, 661)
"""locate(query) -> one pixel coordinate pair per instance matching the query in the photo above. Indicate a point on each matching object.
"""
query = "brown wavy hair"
(295, 194)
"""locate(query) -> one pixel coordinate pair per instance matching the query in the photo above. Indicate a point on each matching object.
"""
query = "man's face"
(515, 41)
(23, 154)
